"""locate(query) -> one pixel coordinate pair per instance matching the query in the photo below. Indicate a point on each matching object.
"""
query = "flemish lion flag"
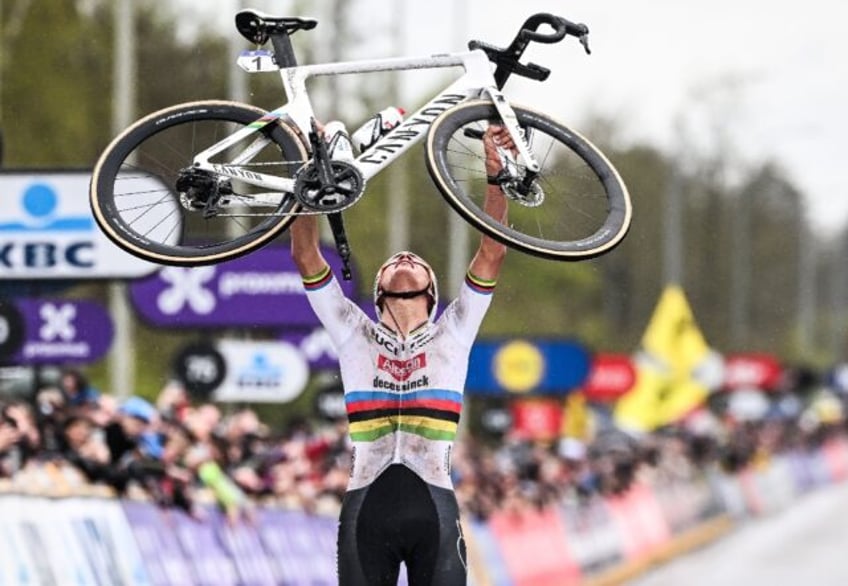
(673, 367)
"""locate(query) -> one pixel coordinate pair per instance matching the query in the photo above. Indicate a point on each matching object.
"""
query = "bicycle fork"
(510, 121)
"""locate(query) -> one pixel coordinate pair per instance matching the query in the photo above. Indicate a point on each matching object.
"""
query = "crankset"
(342, 187)
(329, 186)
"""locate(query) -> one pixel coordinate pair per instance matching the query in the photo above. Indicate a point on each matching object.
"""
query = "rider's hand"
(494, 137)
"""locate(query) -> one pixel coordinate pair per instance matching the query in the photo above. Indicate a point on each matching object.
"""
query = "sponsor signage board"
(269, 372)
(201, 368)
(536, 418)
(523, 367)
(744, 371)
(62, 330)
(11, 329)
(263, 288)
(610, 376)
(47, 231)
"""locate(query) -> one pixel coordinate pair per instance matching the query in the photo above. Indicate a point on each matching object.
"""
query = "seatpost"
(283, 51)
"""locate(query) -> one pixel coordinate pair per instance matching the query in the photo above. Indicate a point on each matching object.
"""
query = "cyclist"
(403, 380)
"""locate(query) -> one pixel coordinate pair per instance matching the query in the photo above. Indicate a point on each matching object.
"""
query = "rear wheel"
(147, 197)
(576, 208)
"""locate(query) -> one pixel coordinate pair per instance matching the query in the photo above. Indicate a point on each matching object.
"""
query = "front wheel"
(147, 197)
(577, 206)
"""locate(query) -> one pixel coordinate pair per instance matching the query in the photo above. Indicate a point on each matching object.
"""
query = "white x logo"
(187, 289)
(57, 322)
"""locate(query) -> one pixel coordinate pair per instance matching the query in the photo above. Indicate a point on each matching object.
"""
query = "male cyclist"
(403, 380)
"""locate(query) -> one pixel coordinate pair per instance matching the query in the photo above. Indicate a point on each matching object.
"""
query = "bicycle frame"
(477, 80)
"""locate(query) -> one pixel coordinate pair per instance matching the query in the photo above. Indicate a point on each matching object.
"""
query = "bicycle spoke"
(552, 211)
(209, 215)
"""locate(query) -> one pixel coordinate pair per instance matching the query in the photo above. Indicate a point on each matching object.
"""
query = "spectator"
(86, 449)
(176, 454)
(74, 385)
(10, 436)
(28, 445)
(173, 401)
(124, 437)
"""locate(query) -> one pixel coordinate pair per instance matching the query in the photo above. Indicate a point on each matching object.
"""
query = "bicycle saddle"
(256, 27)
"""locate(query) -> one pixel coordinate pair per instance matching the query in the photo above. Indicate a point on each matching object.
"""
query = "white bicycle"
(207, 181)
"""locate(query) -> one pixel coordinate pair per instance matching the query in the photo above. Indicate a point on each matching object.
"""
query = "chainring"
(347, 187)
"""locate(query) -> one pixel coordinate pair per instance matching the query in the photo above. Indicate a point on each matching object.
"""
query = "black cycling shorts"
(400, 518)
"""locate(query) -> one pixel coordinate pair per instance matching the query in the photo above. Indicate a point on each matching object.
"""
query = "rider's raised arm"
(304, 246)
(486, 264)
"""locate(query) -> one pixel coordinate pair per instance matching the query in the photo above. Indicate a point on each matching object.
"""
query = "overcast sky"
(760, 79)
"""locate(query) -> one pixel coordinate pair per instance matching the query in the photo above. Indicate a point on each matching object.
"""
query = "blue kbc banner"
(47, 231)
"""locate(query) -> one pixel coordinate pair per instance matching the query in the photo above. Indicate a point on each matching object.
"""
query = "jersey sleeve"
(465, 314)
(339, 315)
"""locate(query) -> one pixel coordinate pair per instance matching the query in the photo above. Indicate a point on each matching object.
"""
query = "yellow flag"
(672, 350)
(576, 423)
(672, 334)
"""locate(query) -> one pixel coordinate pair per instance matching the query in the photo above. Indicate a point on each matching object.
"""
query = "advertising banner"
(67, 541)
(19, 564)
(640, 521)
(63, 331)
(200, 367)
(12, 329)
(610, 377)
(758, 371)
(263, 288)
(527, 366)
(594, 538)
(202, 546)
(158, 544)
(47, 231)
(536, 419)
(535, 548)
(243, 545)
(274, 372)
(301, 547)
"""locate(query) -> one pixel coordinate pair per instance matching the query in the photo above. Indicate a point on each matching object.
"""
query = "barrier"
(69, 541)
(596, 541)
(606, 541)
(535, 549)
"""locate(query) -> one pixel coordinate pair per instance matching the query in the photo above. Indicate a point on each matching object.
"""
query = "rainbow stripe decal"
(319, 280)
(482, 286)
(431, 413)
(265, 120)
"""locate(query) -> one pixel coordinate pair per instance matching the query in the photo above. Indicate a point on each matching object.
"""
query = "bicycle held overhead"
(207, 181)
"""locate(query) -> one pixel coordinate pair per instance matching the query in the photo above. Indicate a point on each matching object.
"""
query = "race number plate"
(257, 61)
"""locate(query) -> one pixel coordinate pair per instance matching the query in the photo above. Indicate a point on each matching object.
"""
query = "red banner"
(610, 376)
(759, 371)
(537, 419)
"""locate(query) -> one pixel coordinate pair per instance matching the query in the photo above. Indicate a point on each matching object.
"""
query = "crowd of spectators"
(184, 454)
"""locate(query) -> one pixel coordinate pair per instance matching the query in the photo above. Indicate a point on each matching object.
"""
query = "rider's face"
(404, 269)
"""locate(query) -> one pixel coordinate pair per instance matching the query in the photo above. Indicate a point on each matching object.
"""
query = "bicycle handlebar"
(507, 60)
(529, 28)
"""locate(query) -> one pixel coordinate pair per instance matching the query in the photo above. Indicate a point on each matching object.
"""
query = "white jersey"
(403, 397)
